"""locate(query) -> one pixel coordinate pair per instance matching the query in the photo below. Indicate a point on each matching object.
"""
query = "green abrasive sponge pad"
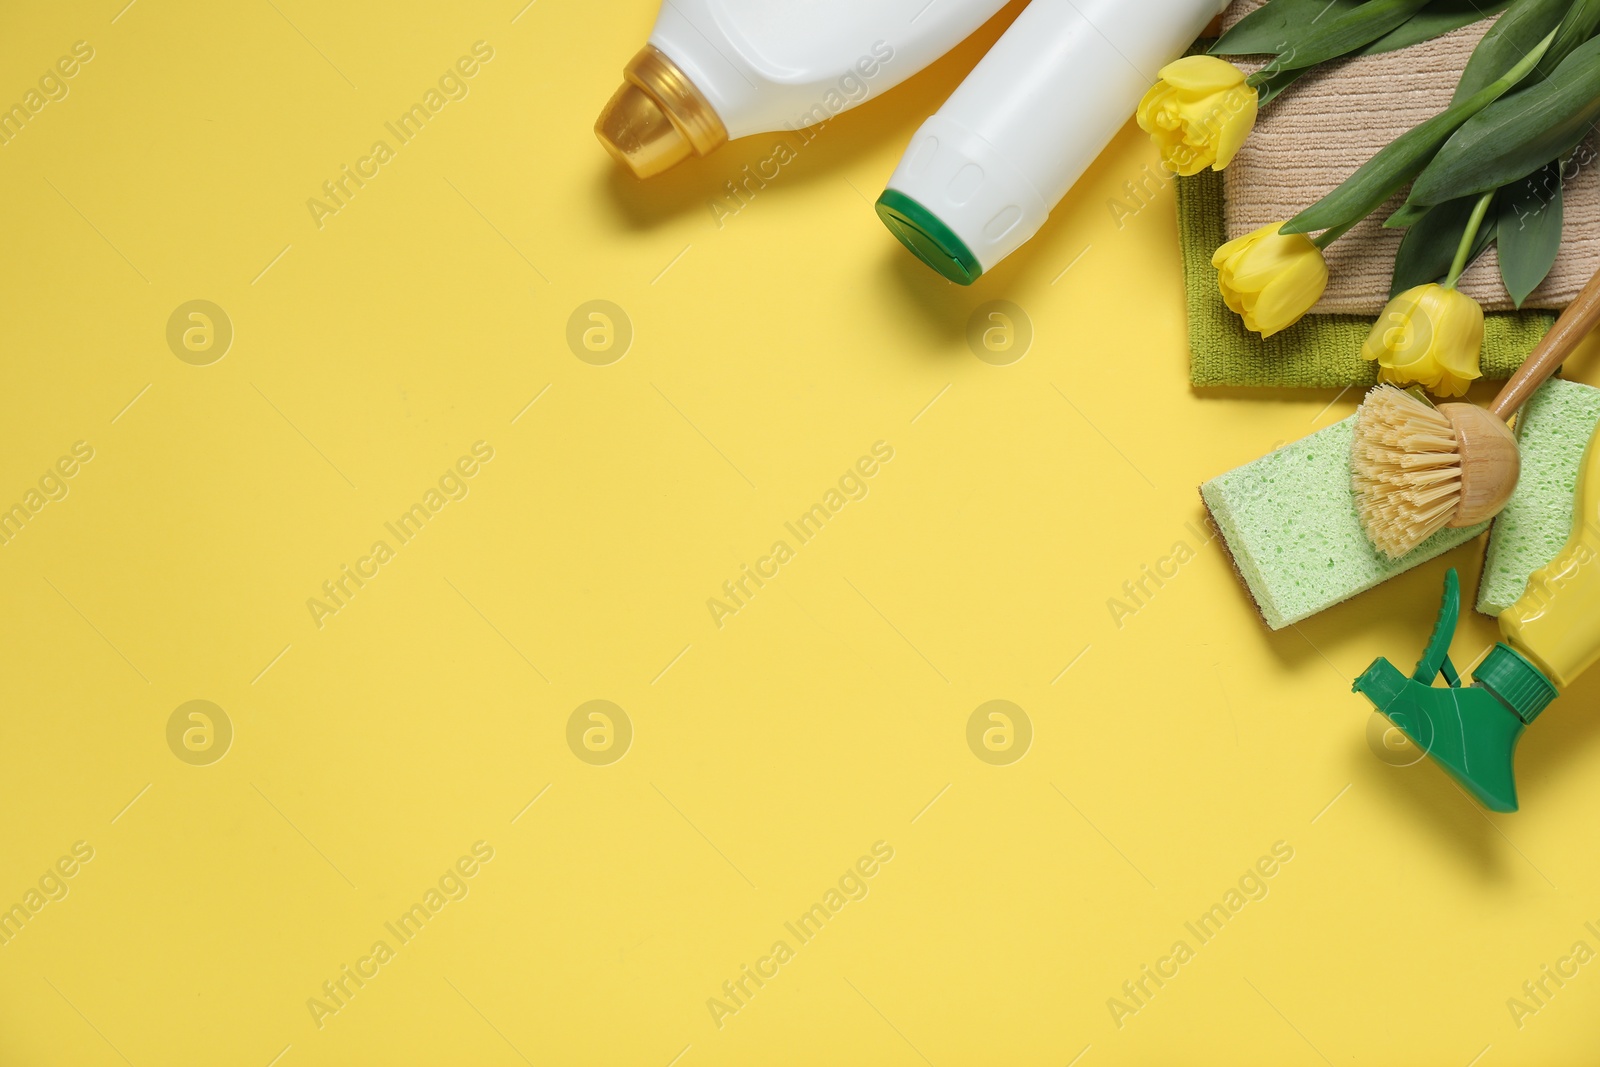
(1290, 521)
(1552, 432)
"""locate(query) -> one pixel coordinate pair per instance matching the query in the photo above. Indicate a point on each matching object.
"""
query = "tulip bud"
(1429, 335)
(1199, 113)
(1271, 279)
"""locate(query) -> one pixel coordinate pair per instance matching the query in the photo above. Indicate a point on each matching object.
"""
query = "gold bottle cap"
(658, 118)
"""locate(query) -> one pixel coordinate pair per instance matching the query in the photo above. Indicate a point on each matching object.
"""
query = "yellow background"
(769, 353)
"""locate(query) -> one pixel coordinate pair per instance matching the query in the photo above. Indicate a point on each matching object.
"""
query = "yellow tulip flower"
(1432, 335)
(1199, 113)
(1271, 279)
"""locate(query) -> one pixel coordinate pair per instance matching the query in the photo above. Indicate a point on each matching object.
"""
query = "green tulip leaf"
(1356, 28)
(1408, 155)
(1431, 243)
(1437, 19)
(1508, 41)
(1529, 230)
(1583, 18)
(1519, 134)
(1283, 26)
(1278, 25)
(1269, 88)
(1405, 215)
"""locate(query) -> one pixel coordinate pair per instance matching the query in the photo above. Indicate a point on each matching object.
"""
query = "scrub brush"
(1417, 468)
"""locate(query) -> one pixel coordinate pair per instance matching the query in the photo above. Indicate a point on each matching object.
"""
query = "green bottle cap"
(928, 238)
(1518, 684)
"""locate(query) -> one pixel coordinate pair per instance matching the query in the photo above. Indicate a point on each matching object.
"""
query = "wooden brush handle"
(1575, 323)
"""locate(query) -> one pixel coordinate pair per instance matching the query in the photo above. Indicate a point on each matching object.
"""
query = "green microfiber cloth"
(1290, 521)
(1317, 352)
(1552, 433)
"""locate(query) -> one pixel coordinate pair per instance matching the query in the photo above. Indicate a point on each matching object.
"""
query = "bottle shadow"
(1424, 795)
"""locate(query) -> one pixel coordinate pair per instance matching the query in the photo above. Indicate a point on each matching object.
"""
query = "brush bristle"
(1406, 469)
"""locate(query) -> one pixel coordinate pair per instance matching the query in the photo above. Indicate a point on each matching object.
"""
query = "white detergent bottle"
(982, 175)
(720, 69)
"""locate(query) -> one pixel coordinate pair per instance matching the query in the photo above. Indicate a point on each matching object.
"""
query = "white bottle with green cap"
(982, 175)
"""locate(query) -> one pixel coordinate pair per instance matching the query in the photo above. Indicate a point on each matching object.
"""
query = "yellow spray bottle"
(1556, 624)
(1551, 636)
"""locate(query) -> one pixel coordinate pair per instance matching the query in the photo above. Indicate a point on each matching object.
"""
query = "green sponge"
(1290, 521)
(1552, 432)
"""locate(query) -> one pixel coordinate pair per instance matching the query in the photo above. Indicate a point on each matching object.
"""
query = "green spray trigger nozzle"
(1436, 656)
(1468, 731)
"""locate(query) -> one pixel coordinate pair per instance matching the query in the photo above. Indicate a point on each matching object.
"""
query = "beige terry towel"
(1336, 118)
